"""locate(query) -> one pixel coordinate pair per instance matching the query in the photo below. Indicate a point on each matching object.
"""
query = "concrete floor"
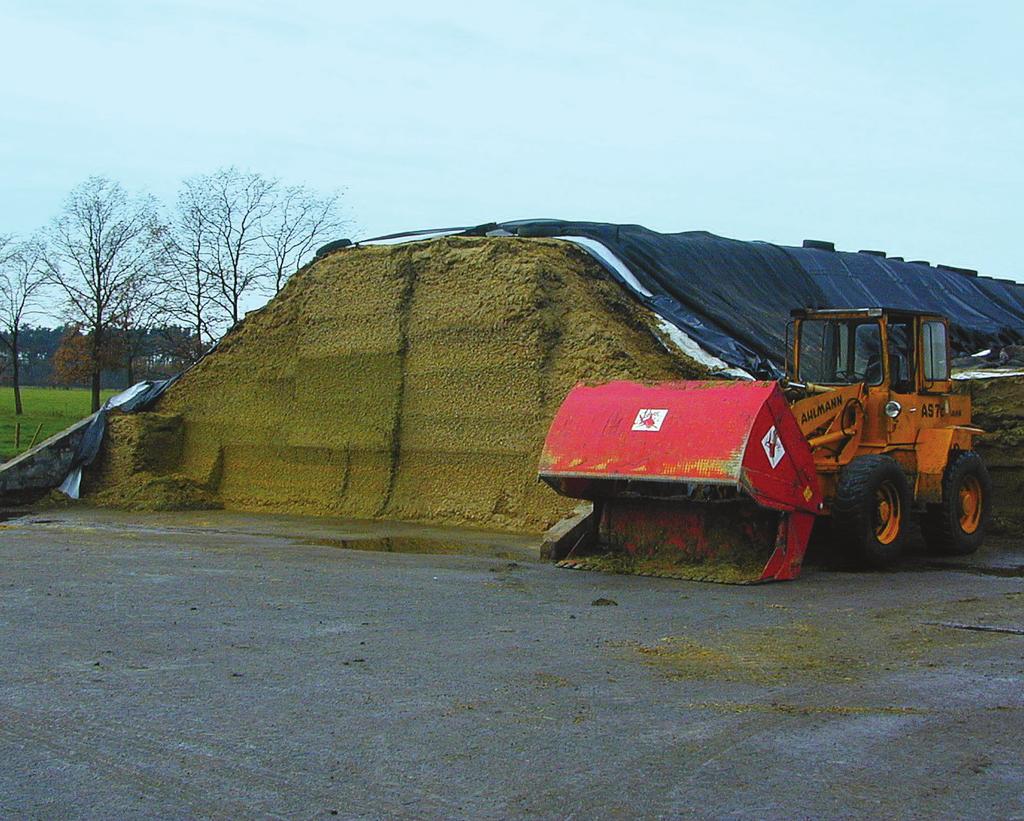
(220, 665)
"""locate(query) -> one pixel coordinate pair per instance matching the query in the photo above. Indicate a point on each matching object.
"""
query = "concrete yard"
(223, 665)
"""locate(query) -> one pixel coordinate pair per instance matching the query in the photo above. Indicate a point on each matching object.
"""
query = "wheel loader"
(725, 480)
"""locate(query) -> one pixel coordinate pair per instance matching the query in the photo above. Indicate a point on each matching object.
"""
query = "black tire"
(943, 525)
(332, 246)
(869, 487)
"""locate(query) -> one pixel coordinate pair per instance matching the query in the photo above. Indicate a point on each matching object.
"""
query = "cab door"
(902, 378)
(939, 406)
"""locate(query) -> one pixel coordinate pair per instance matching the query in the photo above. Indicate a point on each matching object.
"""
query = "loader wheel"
(870, 509)
(956, 527)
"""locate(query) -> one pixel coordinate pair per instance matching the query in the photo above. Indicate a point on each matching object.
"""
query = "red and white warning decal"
(650, 419)
(773, 448)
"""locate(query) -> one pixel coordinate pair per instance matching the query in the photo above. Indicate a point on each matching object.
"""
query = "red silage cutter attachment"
(709, 480)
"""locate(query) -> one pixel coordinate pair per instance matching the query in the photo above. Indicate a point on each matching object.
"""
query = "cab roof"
(807, 313)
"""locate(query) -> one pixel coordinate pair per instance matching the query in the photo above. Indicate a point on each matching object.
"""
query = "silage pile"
(998, 408)
(409, 382)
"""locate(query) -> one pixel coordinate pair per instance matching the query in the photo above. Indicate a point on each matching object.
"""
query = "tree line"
(122, 270)
(56, 356)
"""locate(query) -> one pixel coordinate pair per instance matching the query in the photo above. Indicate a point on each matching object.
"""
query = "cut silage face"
(998, 409)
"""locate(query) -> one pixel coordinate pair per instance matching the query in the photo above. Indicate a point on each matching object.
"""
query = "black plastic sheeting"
(89, 446)
(734, 298)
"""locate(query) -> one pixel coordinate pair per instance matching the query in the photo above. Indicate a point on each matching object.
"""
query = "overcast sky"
(891, 125)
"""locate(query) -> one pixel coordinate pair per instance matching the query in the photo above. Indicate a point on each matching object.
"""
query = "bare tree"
(21, 281)
(237, 204)
(189, 284)
(143, 308)
(6, 259)
(300, 221)
(234, 235)
(98, 249)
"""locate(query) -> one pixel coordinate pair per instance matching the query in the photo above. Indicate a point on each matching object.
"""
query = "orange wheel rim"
(887, 513)
(970, 504)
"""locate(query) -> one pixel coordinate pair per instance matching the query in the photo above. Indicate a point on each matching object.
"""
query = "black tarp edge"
(733, 298)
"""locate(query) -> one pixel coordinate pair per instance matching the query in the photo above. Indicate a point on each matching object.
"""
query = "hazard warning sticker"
(773, 448)
(650, 419)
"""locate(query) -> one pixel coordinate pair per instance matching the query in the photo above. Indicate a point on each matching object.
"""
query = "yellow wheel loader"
(724, 480)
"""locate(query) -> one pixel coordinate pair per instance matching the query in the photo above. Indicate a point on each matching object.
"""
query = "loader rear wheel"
(870, 509)
(956, 527)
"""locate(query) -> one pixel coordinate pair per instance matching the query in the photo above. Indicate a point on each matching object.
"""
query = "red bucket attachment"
(646, 453)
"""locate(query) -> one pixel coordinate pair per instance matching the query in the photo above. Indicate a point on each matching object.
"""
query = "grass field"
(54, 408)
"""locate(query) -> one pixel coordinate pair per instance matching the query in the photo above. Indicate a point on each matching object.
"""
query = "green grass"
(54, 408)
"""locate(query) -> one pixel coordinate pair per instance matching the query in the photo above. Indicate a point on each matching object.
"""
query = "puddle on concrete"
(1006, 571)
(979, 628)
(417, 544)
(26, 514)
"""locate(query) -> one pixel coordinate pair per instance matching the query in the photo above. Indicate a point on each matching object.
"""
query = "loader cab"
(903, 352)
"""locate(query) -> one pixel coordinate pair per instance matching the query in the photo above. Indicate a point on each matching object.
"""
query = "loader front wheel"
(870, 510)
(956, 527)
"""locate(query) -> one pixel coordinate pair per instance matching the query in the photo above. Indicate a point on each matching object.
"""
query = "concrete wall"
(43, 467)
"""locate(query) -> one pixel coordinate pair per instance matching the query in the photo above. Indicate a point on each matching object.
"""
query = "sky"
(885, 125)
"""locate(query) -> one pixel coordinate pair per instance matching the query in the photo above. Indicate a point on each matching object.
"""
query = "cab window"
(901, 354)
(840, 352)
(934, 351)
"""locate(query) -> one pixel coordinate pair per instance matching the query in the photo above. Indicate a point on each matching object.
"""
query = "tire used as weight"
(869, 487)
(943, 525)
